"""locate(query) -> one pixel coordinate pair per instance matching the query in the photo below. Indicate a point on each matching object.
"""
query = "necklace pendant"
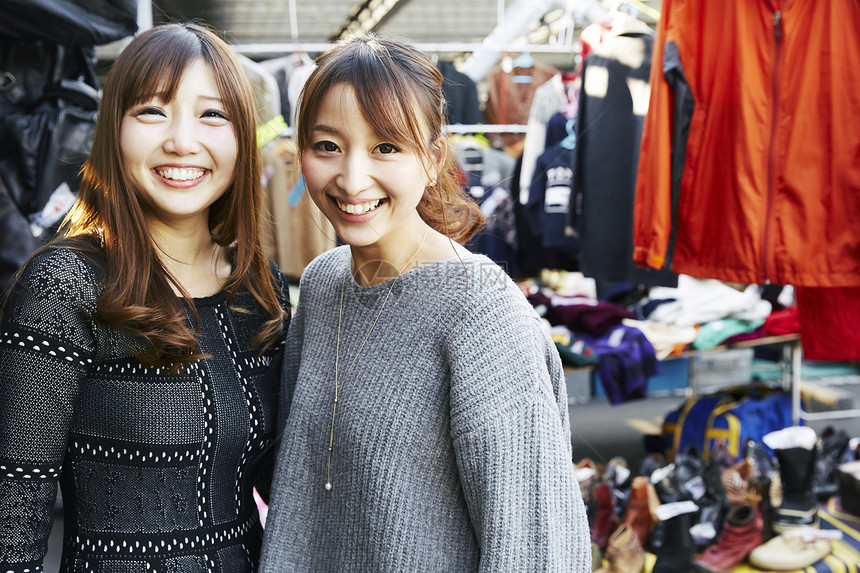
(328, 486)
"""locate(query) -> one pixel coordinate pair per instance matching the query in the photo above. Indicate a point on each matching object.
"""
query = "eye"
(214, 114)
(326, 146)
(148, 111)
(387, 148)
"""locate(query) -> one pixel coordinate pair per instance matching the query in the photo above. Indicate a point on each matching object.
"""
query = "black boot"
(831, 450)
(678, 549)
(713, 505)
(799, 506)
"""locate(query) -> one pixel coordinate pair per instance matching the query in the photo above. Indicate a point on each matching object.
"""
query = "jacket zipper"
(771, 155)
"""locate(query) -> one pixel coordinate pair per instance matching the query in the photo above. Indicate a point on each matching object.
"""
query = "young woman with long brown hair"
(425, 414)
(140, 351)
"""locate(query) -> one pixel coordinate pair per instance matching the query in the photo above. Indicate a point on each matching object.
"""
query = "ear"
(438, 152)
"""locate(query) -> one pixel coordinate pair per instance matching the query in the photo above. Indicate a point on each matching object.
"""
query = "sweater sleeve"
(511, 434)
(46, 345)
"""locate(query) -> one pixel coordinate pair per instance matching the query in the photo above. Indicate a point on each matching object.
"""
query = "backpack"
(726, 420)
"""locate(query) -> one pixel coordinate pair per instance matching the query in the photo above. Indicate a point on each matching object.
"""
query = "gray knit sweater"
(451, 442)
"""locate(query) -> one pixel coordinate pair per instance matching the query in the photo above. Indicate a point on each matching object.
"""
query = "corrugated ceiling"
(269, 21)
(316, 21)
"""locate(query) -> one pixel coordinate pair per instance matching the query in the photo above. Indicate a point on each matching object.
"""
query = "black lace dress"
(156, 468)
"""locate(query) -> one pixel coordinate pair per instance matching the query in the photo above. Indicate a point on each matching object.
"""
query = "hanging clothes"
(488, 174)
(749, 166)
(592, 36)
(828, 322)
(548, 99)
(461, 95)
(295, 85)
(299, 231)
(509, 98)
(282, 69)
(612, 105)
(550, 203)
(556, 129)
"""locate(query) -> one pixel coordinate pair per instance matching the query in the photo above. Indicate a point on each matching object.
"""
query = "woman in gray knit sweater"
(424, 414)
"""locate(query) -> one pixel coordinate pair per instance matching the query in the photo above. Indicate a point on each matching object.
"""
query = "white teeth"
(181, 173)
(359, 209)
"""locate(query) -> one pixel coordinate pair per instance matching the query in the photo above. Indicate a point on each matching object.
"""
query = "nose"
(181, 138)
(355, 175)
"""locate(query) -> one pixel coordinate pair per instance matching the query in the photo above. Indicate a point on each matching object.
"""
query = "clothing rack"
(466, 129)
(461, 129)
(266, 49)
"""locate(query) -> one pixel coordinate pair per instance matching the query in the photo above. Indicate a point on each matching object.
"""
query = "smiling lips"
(359, 208)
(181, 173)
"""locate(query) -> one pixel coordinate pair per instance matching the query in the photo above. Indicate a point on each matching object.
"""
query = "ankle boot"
(735, 480)
(713, 505)
(638, 515)
(624, 554)
(586, 475)
(796, 457)
(831, 450)
(604, 521)
(741, 534)
(758, 494)
(676, 553)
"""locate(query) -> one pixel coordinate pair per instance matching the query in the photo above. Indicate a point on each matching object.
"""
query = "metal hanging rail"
(458, 128)
(290, 47)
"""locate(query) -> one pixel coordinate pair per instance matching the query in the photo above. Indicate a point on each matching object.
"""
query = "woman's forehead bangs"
(159, 70)
(386, 95)
(394, 114)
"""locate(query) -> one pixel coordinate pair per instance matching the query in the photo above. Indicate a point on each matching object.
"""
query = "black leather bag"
(46, 130)
(69, 22)
(48, 146)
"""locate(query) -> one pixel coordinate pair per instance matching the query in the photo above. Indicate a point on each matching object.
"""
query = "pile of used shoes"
(711, 515)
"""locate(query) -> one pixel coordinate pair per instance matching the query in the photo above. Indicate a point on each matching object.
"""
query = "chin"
(357, 242)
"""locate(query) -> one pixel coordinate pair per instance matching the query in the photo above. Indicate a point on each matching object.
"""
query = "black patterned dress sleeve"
(46, 346)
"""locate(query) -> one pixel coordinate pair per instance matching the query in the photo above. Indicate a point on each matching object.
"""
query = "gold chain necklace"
(338, 387)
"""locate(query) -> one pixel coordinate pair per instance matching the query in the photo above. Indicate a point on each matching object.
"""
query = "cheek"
(130, 143)
(222, 142)
(230, 160)
(314, 173)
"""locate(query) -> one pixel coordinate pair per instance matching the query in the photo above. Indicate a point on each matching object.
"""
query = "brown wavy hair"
(137, 298)
(399, 92)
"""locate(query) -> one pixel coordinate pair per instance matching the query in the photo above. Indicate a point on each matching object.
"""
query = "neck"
(377, 264)
(197, 263)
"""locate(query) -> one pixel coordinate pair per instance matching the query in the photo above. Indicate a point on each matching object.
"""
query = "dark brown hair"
(137, 297)
(399, 91)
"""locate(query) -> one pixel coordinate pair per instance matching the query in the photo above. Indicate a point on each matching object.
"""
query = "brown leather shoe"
(639, 512)
(741, 534)
(735, 479)
(624, 554)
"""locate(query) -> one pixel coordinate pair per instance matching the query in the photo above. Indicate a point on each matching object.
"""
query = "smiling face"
(367, 186)
(180, 154)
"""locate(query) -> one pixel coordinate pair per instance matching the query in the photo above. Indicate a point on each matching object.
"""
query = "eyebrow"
(326, 129)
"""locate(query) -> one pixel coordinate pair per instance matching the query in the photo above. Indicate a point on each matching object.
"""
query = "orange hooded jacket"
(749, 167)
